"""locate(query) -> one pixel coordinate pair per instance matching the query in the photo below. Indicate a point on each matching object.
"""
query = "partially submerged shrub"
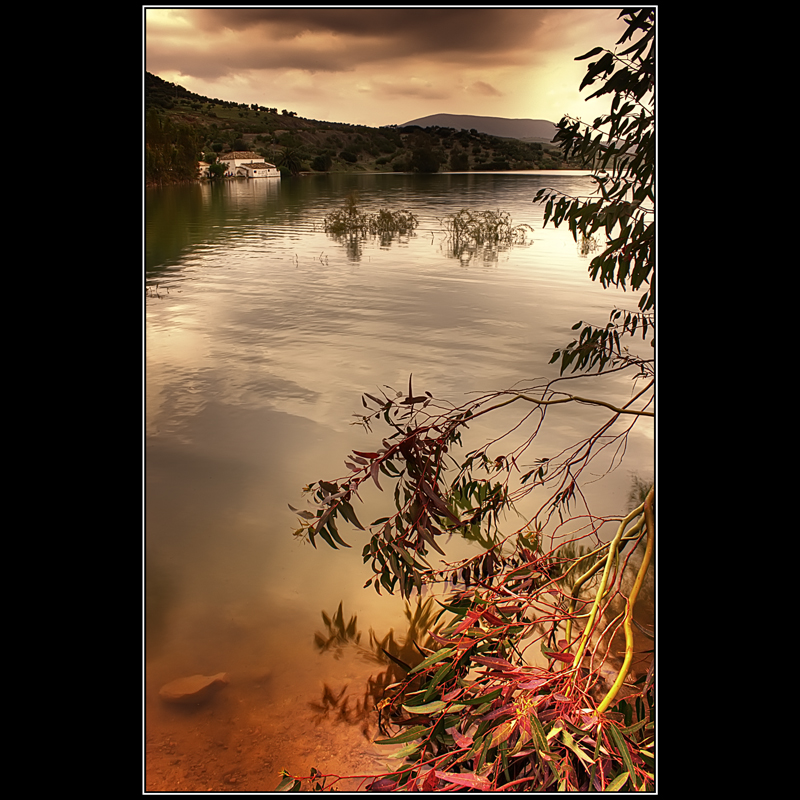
(490, 232)
(485, 227)
(385, 221)
(350, 220)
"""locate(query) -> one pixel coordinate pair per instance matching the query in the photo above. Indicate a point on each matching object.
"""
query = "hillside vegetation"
(182, 128)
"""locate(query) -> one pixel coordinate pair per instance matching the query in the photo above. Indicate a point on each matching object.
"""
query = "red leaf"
(467, 623)
(489, 617)
(465, 779)
(460, 739)
(534, 684)
(373, 471)
(438, 502)
(382, 785)
(429, 784)
(567, 658)
(490, 661)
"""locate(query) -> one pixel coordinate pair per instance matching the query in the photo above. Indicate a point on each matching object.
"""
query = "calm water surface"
(261, 333)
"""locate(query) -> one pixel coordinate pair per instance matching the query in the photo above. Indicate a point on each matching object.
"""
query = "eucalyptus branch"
(587, 401)
(649, 521)
(632, 535)
(612, 550)
(567, 399)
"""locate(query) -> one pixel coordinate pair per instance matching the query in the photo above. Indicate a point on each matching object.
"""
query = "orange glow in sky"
(382, 66)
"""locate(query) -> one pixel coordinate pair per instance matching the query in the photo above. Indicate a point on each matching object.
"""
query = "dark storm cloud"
(374, 64)
(461, 35)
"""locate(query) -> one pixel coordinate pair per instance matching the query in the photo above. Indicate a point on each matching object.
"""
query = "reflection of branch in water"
(339, 634)
(397, 657)
(340, 705)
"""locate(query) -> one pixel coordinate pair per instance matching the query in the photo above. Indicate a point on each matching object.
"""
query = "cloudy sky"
(381, 65)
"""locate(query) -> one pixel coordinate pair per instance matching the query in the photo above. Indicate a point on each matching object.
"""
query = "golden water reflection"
(394, 654)
(260, 337)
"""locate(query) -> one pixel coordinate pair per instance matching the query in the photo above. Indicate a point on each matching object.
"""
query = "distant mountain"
(537, 129)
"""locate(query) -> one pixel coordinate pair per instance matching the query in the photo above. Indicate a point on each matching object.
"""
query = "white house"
(248, 164)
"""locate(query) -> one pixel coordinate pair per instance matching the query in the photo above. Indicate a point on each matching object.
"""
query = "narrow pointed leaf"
(429, 708)
(397, 661)
(350, 515)
(288, 784)
(435, 658)
(408, 736)
(373, 471)
(538, 735)
(408, 750)
(622, 747)
(617, 783)
(469, 779)
(593, 52)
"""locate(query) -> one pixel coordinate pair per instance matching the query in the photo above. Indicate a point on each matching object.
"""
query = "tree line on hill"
(182, 128)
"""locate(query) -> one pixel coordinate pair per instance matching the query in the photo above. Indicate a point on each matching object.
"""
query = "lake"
(261, 333)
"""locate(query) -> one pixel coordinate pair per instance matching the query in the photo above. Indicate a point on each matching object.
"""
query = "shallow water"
(261, 332)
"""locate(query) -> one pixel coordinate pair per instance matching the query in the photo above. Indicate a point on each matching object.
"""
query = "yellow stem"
(591, 571)
(612, 552)
(648, 553)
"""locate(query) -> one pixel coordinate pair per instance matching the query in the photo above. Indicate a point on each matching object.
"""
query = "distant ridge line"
(493, 126)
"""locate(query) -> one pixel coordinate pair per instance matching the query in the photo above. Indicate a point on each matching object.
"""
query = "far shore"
(153, 185)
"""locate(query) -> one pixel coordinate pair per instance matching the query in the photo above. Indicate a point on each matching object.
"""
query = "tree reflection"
(338, 634)
(350, 226)
(396, 655)
(481, 233)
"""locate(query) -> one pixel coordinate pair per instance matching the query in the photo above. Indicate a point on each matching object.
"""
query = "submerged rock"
(196, 689)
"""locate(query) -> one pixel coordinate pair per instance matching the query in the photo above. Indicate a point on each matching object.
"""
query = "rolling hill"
(199, 128)
(539, 130)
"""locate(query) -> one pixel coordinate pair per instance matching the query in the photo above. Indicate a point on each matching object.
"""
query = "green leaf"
(429, 708)
(538, 735)
(617, 783)
(408, 750)
(441, 673)
(622, 747)
(331, 526)
(434, 658)
(484, 698)
(635, 727)
(324, 534)
(570, 742)
(288, 784)
(409, 736)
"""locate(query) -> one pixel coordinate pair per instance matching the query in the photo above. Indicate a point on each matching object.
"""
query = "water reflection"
(351, 227)
(338, 634)
(354, 243)
(262, 332)
(397, 655)
(488, 234)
